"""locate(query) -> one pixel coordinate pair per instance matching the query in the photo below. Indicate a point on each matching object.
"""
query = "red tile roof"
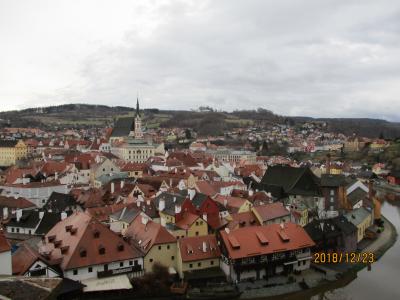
(4, 244)
(198, 248)
(81, 233)
(144, 236)
(187, 220)
(272, 211)
(206, 188)
(23, 259)
(232, 203)
(243, 219)
(130, 166)
(50, 167)
(11, 202)
(246, 242)
(102, 213)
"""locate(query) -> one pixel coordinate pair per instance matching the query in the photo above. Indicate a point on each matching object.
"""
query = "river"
(382, 282)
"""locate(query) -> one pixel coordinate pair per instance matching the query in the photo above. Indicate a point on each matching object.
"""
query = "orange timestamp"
(344, 257)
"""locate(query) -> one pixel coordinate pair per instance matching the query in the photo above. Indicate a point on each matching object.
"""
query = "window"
(17, 229)
(190, 265)
(212, 262)
(83, 253)
(167, 246)
(75, 272)
(172, 257)
(121, 264)
(197, 233)
(159, 247)
(12, 229)
(102, 250)
(130, 263)
(90, 270)
(199, 264)
(136, 262)
(150, 260)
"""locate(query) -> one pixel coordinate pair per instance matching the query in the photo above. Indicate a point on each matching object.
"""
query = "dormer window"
(57, 243)
(51, 238)
(120, 247)
(64, 249)
(83, 253)
(102, 250)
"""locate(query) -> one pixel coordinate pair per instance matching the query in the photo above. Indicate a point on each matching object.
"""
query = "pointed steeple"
(137, 107)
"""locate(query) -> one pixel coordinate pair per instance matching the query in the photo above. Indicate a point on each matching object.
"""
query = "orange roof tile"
(245, 241)
(82, 233)
(199, 248)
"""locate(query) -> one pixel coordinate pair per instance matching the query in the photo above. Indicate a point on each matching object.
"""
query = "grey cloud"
(317, 58)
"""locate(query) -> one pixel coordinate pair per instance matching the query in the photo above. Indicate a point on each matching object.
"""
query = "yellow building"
(234, 204)
(157, 244)
(197, 253)
(189, 225)
(11, 152)
(362, 219)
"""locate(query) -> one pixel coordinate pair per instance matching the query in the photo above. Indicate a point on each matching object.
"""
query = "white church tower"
(138, 134)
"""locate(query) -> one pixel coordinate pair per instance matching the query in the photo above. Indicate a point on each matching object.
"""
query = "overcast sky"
(318, 58)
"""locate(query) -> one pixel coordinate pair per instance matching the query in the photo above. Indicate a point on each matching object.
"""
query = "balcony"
(108, 273)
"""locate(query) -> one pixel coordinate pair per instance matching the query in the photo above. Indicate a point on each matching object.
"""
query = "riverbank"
(311, 281)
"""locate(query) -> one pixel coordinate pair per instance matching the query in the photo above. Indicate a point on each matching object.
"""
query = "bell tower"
(138, 122)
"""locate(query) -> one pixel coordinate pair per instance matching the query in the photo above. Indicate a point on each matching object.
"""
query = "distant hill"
(205, 122)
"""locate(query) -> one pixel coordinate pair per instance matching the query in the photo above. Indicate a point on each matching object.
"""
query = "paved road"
(382, 239)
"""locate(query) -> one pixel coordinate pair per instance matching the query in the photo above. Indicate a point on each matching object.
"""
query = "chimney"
(251, 192)
(148, 202)
(112, 188)
(145, 220)
(137, 203)
(19, 214)
(192, 193)
(5, 213)
(63, 215)
(204, 247)
(178, 209)
(161, 205)
(225, 202)
(56, 176)
(122, 184)
(205, 217)
(41, 214)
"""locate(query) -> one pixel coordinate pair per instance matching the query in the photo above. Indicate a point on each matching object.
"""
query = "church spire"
(137, 106)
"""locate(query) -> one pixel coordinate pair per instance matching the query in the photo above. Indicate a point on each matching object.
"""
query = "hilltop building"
(12, 151)
(127, 140)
